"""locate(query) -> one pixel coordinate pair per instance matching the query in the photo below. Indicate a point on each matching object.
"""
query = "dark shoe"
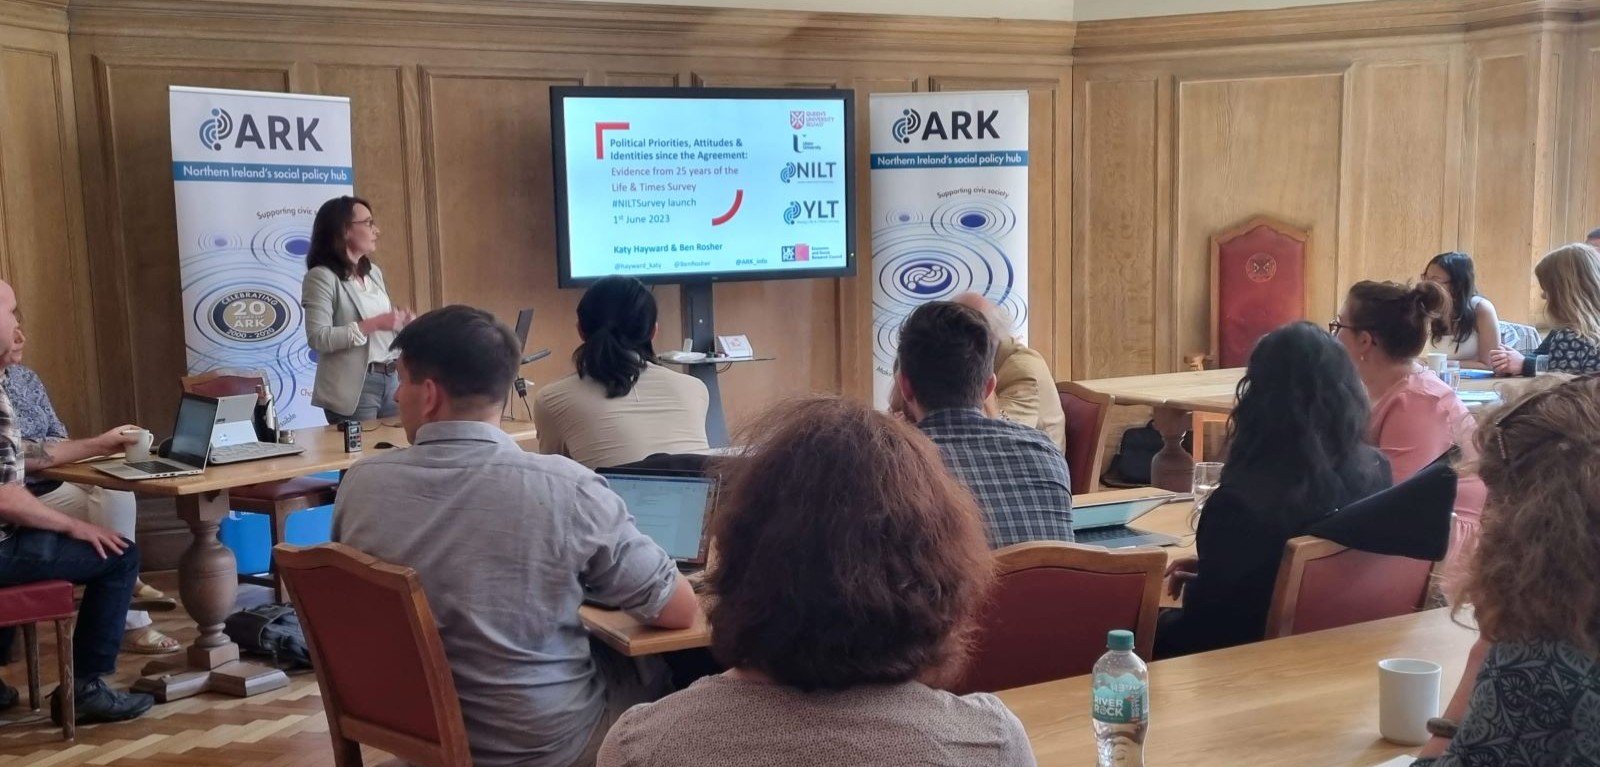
(97, 703)
(8, 696)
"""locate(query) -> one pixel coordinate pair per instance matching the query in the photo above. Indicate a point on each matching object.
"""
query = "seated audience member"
(1416, 416)
(1569, 277)
(1470, 331)
(508, 544)
(39, 543)
(1297, 450)
(843, 598)
(1025, 391)
(946, 371)
(45, 444)
(1534, 589)
(620, 406)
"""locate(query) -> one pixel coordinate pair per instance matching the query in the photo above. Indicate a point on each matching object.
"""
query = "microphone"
(535, 357)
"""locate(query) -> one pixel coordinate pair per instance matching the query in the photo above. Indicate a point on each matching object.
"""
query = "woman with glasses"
(350, 321)
(1416, 416)
(1569, 278)
(1470, 331)
(1532, 690)
(1297, 450)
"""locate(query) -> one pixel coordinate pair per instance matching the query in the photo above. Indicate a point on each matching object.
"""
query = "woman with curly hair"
(850, 569)
(1535, 589)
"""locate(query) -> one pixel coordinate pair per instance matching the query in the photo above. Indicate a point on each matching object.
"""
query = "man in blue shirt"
(944, 375)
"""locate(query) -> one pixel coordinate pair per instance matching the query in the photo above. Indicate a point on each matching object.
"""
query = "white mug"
(1408, 696)
(1436, 361)
(140, 450)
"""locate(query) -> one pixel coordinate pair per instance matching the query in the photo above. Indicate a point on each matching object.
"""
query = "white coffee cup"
(140, 449)
(1436, 361)
(1408, 696)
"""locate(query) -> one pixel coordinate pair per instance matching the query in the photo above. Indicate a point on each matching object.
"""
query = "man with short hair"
(508, 545)
(1019, 477)
(39, 543)
(1025, 390)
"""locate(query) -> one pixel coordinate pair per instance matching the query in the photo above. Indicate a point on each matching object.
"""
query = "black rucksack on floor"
(1130, 467)
(272, 630)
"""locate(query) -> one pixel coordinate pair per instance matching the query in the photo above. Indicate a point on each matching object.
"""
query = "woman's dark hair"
(1461, 321)
(617, 317)
(846, 553)
(1302, 417)
(1400, 317)
(327, 237)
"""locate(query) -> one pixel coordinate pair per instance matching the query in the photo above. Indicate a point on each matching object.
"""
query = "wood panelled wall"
(1389, 130)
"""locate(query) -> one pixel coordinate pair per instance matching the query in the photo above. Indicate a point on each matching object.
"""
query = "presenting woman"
(350, 321)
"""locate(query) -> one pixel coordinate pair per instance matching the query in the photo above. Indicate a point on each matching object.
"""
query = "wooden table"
(207, 571)
(1176, 397)
(1310, 699)
(633, 639)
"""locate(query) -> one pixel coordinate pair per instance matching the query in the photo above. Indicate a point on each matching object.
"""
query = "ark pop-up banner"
(249, 171)
(949, 209)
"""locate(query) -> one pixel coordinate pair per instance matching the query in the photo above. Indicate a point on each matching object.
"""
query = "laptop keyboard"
(155, 467)
(249, 451)
(1122, 536)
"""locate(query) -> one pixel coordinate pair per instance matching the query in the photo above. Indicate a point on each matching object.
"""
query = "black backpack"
(272, 630)
(1130, 467)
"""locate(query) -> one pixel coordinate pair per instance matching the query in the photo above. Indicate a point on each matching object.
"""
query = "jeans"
(115, 509)
(31, 555)
(377, 400)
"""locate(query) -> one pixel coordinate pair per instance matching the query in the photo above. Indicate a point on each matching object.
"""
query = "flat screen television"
(699, 185)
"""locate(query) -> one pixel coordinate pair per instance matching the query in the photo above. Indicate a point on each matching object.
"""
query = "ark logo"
(802, 172)
(811, 211)
(215, 129)
(961, 125)
(282, 135)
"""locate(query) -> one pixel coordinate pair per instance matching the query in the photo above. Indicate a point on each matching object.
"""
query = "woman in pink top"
(1416, 417)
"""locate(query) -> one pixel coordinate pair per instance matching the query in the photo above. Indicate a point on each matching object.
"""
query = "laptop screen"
(1114, 513)
(672, 510)
(191, 436)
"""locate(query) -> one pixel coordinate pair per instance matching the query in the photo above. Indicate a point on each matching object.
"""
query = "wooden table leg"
(208, 584)
(1172, 468)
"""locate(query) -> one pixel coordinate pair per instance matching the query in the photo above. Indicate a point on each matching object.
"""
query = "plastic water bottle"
(1121, 703)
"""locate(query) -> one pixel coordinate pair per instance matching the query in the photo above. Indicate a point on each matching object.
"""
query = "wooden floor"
(282, 728)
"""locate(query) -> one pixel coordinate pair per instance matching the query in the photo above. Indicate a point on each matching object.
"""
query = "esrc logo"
(299, 135)
(800, 252)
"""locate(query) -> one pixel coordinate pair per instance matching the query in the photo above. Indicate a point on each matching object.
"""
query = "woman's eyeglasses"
(1335, 325)
(366, 222)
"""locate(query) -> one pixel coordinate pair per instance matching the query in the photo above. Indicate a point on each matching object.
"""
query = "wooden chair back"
(1322, 585)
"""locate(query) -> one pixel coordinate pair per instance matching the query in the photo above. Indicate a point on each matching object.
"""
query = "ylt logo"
(962, 125)
(217, 128)
(800, 252)
(811, 211)
(807, 171)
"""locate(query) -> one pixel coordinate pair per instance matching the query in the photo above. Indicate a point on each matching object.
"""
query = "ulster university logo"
(908, 124)
(216, 128)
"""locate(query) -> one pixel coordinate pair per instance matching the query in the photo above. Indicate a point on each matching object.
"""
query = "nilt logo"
(807, 171)
(811, 211)
(213, 130)
(282, 134)
(961, 125)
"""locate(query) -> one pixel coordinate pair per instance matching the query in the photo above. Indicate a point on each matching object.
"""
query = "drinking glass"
(1206, 476)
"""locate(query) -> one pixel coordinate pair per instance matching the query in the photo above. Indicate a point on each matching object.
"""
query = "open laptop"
(1105, 522)
(234, 438)
(191, 443)
(673, 508)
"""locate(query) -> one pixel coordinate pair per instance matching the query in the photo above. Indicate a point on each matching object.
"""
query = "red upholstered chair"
(1052, 607)
(1258, 277)
(29, 605)
(1086, 412)
(1322, 585)
(380, 663)
(277, 500)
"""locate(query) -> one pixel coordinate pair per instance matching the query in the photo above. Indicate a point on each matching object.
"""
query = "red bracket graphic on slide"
(738, 199)
(600, 137)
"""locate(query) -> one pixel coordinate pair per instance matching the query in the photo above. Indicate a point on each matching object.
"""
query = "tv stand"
(699, 328)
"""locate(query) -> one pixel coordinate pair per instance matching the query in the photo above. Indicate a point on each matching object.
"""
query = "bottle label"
(1120, 699)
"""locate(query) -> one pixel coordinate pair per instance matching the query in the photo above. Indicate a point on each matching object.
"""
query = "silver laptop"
(191, 441)
(672, 508)
(1106, 524)
(234, 438)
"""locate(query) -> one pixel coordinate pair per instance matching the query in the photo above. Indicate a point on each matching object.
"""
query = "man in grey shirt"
(507, 544)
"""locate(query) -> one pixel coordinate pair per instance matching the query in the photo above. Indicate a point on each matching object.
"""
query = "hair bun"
(1431, 298)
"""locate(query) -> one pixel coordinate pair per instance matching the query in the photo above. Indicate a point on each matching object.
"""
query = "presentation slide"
(663, 188)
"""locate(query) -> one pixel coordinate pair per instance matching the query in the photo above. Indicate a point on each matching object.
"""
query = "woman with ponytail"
(1416, 416)
(620, 406)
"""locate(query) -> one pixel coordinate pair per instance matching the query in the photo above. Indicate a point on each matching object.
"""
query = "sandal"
(148, 641)
(142, 590)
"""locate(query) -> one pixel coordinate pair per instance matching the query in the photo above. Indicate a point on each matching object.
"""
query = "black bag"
(1130, 467)
(272, 630)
